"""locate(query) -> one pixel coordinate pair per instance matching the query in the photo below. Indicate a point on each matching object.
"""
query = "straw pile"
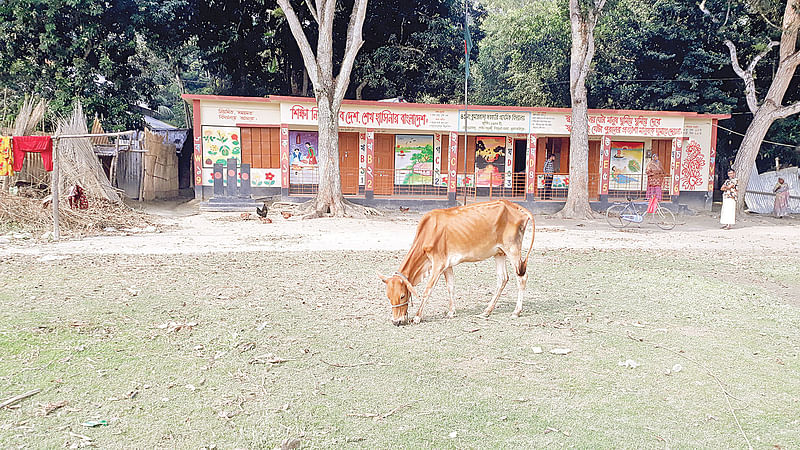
(160, 168)
(77, 162)
(34, 215)
(30, 116)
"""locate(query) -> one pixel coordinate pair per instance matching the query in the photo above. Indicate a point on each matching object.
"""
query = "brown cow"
(448, 237)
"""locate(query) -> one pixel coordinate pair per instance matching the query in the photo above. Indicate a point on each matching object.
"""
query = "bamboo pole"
(54, 190)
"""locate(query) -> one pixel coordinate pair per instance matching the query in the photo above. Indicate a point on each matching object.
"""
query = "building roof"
(441, 106)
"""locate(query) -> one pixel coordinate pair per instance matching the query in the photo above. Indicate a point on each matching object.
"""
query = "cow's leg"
(449, 278)
(502, 279)
(436, 272)
(522, 282)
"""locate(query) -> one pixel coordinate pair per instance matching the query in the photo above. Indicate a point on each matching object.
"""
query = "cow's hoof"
(450, 314)
(515, 313)
(417, 319)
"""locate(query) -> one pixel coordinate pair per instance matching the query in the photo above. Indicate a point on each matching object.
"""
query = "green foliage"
(524, 59)
(77, 49)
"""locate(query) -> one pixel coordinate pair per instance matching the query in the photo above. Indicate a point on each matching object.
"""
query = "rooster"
(262, 211)
(404, 209)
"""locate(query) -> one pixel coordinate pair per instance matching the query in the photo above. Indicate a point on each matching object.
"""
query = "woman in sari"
(730, 192)
(655, 176)
(781, 191)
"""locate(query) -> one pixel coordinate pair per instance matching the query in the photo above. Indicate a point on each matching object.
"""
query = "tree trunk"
(577, 205)
(749, 148)
(770, 109)
(329, 199)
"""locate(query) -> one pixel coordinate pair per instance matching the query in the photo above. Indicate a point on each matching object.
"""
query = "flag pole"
(466, 103)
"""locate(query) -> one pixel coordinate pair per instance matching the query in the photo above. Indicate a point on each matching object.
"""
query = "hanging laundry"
(33, 144)
(6, 157)
(77, 198)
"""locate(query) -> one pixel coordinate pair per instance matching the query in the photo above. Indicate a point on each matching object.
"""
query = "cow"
(448, 237)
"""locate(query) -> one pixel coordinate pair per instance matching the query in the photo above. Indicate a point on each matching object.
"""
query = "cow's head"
(400, 291)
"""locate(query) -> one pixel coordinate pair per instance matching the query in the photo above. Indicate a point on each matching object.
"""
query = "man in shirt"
(549, 169)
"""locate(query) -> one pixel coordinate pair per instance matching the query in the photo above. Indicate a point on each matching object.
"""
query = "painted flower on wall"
(692, 165)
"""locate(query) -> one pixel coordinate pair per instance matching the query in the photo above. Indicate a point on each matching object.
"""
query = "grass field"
(299, 345)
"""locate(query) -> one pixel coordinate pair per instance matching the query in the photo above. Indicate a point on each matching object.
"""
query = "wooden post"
(54, 190)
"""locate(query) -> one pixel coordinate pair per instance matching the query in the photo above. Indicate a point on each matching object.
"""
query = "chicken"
(404, 209)
(245, 216)
(262, 211)
(286, 215)
(266, 220)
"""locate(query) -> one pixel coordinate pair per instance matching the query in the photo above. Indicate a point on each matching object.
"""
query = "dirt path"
(189, 232)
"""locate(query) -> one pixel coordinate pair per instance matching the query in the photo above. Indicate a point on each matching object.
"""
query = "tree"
(329, 92)
(77, 49)
(583, 19)
(771, 108)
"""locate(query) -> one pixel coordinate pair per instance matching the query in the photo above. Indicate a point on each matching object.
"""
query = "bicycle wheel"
(664, 218)
(614, 215)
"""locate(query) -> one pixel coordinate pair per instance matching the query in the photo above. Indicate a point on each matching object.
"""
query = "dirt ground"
(220, 332)
(190, 232)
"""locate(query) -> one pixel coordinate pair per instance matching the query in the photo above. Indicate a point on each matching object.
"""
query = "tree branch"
(354, 42)
(705, 10)
(793, 60)
(313, 11)
(786, 111)
(302, 41)
(758, 57)
(747, 75)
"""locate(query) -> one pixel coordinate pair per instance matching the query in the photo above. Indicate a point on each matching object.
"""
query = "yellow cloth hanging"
(6, 157)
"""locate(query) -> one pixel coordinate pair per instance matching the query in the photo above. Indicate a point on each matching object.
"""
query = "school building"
(415, 154)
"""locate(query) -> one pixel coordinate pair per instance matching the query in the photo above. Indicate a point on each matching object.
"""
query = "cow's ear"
(411, 288)
(383, 278)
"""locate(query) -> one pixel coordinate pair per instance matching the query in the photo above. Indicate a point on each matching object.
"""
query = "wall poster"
(490, 160)
(219, 144)
(303, 157)
(626, 165)
(413, 159)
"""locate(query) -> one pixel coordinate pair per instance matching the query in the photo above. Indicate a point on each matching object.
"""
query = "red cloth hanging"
(33, 144)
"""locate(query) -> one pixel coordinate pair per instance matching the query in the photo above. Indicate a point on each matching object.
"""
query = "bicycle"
(620, 215)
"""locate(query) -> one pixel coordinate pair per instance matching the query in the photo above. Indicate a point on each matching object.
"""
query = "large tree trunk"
(329, 92)
(577, 205)
(329, 199)
(771, 108)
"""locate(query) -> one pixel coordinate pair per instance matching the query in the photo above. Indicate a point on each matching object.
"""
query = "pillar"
(284, 160)
(675, 182)
(369, 174)
(712, 165)
(605, 168)
(530, 169)
(197, 132)
(452, 169)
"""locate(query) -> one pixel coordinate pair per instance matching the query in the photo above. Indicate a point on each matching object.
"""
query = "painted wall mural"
(220, 144)
(413, 159)
(490, 160)
(303, 157)
(692, 164)
(626, 165)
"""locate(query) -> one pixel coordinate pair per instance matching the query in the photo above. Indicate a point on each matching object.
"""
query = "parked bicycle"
(620, 215)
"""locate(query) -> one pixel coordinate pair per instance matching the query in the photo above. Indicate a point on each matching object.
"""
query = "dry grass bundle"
(77, 162)
(34, 215)
(30, 115)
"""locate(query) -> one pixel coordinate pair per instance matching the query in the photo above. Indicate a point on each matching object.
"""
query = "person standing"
(655, 176)
(730, 193)
(549, 169)
(781, 191)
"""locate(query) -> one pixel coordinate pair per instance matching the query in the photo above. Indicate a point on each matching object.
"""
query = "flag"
(467, 45)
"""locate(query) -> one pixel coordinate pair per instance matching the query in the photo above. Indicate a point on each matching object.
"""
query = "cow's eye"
(403, 296)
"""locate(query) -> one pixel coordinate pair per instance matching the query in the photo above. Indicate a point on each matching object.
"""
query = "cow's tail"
(523, 264)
